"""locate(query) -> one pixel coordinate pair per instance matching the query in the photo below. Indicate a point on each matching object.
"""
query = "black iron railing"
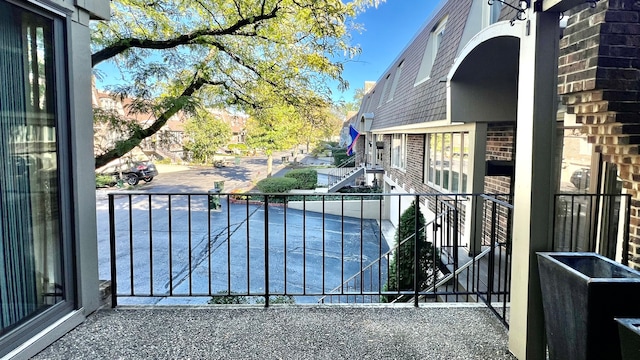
(275, 245)
(593, 223)
(458, 277)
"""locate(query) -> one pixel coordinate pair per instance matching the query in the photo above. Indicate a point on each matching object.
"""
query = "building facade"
(443, 116)
(48, 255)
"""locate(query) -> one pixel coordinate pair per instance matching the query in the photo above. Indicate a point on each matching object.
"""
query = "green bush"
(164, 161)
(307, 178)
(401, 267)
(104, 181)
(277, 185)
(240, 147)
(341, 155)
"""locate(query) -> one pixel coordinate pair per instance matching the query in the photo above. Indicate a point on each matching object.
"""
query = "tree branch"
(122, 45)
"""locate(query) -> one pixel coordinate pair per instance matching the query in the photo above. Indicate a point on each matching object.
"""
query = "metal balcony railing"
(593, 223)
(314, 248)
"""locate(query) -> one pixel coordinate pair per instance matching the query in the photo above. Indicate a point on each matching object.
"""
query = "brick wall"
(500, 146)
(599, 78)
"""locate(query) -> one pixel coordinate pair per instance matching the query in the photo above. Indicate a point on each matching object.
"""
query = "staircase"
(344, 174)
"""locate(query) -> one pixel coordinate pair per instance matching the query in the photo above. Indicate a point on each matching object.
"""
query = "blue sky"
(388, 30)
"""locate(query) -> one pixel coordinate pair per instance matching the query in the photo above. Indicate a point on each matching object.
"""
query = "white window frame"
(446, 160)
(431, 51)
(399, 151)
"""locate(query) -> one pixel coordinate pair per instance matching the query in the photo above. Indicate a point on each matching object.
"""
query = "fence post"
(112, 246)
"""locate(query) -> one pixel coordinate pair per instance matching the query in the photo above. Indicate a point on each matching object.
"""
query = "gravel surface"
(286, 332)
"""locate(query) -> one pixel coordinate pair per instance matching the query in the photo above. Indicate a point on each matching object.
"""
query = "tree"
(184, 54)
(205, 134)
(402, 265)
(321, 122)
(273, 129)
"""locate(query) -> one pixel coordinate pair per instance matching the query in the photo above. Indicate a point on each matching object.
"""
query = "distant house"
(166, 143)
(237, 122)
(48, 251)
(442, 117)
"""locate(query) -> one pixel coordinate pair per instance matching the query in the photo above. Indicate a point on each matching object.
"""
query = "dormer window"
(396, 78)
(431, 51)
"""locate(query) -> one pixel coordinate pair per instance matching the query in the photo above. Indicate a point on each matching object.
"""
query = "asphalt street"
(192, 250)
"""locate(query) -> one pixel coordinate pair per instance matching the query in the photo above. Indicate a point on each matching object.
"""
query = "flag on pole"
(354, 135)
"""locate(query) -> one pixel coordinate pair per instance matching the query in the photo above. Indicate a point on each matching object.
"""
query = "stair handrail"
(341, 171)
(378, 260)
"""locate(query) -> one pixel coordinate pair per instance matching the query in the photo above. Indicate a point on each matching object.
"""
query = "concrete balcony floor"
(433, 331)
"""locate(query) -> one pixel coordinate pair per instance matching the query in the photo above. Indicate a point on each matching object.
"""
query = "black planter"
(582, 293)
(629, 330)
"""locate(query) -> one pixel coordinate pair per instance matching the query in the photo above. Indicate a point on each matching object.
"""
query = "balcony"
(209, 275)
(286, 332)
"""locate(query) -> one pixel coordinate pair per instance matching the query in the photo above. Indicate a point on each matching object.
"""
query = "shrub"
(227, 300)
(277, 184)
(238, 146)
(401, 267)
(341, 155)
(104, 181)
(307, 178)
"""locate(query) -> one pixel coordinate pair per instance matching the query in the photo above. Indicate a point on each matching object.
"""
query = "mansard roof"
(412, 100)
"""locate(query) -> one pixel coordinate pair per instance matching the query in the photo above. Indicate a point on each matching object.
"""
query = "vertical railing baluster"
(323, 245)
(397, 252)
(209, 269)
(342, 243)
(492, 254)
(170, 227)
(361, 243)
(229, 248)
(131, 245)
(553, 223)
(416, 252)
(266, 251)
(380, 244)
(304, 244)
(112, 243)
(150, 246)
(248, 252)
(285, 243)
(571, 238)
(190, 244)
(625, 236)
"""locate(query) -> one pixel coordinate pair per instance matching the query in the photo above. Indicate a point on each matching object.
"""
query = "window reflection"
(30, 242)
(447, 155)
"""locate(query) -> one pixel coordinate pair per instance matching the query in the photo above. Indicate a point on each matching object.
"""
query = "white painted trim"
(47, 336)
(499, 29)
(428, 127)
(52, 8)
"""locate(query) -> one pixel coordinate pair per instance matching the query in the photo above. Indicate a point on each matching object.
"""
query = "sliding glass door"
(32, 245)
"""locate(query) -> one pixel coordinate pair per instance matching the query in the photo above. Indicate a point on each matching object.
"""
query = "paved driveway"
(216, 251)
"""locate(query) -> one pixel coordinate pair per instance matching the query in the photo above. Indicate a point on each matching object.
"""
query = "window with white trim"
(431, 50)
(447, 157)
(399, 151)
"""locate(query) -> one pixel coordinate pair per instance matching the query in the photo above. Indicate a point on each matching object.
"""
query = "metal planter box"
(582, 293)
(629, 330)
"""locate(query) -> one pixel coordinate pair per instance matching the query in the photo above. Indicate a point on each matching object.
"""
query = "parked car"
(132, 173)
(581, 178)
